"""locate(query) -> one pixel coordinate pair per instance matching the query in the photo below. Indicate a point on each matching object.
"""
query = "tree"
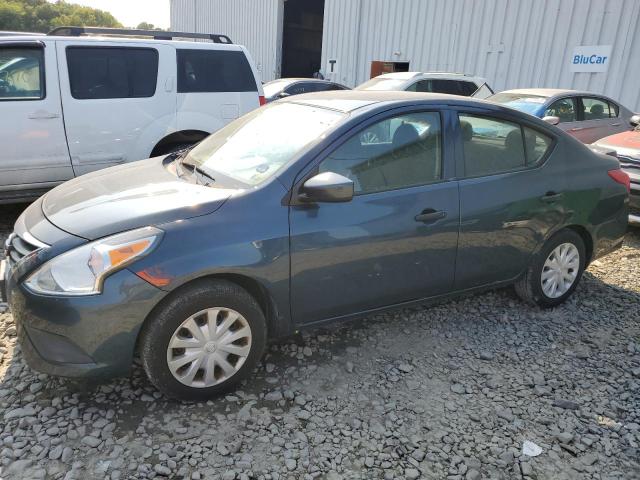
(42, 16)
(147, 26)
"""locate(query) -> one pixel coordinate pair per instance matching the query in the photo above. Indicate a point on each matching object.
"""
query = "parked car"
(285, 219)
(72, 104)
(285, 87)
(434, 82)
(626, 146)
(585, 115)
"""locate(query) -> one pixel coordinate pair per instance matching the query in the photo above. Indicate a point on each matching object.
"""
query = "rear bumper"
(92, 336)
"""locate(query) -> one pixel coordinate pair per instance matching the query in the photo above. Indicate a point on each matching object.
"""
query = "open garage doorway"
(302, 37)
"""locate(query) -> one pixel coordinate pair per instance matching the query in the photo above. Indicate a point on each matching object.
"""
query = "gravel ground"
(453, 391)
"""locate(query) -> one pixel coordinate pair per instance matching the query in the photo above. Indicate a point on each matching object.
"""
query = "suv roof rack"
(131, 32)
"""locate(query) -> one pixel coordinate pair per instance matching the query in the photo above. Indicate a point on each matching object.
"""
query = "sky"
(131, 12)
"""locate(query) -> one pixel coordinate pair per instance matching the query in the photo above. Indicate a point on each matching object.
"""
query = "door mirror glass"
(635, 120)
(327, 187)
(553, 120)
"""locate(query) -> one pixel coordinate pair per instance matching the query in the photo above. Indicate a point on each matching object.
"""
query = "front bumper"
(91, 336)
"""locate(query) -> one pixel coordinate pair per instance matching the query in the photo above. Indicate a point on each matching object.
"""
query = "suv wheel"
(555, 272)
(204, 341)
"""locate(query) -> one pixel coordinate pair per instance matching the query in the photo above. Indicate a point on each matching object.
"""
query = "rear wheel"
(204, 342)
(555, 272)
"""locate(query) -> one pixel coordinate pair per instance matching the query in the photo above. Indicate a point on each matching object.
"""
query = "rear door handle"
(42, 115)
(550, 197)
(616, 124)
(577, 129)
(429, 215)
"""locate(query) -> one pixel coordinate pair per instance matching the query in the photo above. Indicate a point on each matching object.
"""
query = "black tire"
(529, 286)
(159, 328)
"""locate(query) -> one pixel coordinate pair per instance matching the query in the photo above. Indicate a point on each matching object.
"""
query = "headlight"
(82, 270)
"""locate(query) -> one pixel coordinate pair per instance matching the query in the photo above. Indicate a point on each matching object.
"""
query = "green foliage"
(147, 26)
(42, 16)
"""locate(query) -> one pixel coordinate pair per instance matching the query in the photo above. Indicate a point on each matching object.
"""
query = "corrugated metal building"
(512, 43)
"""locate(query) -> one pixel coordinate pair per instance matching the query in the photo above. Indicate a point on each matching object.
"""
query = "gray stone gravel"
(450, 391)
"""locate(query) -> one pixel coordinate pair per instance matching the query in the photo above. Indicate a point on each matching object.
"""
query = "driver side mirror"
(284, 95)
(327, 187)
(635, 120)
(551, 120)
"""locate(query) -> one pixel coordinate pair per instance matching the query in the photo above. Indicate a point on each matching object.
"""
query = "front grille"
(628, 160)
(17, 247)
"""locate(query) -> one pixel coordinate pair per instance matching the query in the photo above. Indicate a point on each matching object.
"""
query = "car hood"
(626, 143)
(128, 196)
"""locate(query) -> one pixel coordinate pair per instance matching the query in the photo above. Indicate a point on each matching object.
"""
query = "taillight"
(262, 100)
(621, 177)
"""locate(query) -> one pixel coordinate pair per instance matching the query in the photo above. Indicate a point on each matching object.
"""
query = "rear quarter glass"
(211, 71)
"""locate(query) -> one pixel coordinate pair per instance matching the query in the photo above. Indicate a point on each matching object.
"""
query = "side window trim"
(36, 45)
(459, 147)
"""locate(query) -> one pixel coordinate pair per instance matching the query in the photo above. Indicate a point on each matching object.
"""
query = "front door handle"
(616, 124)
(576, 129)
(551, 197)
(429, 215)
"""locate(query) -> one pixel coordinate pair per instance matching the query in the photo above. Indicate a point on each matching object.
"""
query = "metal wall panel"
(512, 43)
(256, 24)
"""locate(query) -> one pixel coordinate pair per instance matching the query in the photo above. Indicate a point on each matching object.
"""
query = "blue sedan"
(316, 208)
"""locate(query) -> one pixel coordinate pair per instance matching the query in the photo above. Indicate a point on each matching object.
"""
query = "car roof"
(548, 92)
(442, 75)
(350, 100)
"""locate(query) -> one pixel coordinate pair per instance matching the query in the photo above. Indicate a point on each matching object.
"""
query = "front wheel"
(204, 341)
(555, 272)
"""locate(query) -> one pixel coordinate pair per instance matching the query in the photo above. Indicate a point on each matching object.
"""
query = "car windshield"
(272, 88)
(525, 103)
(382, 84)
(253, 148)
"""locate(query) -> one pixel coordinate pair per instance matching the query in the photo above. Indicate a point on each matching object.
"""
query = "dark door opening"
(302, 37)
(379, 68)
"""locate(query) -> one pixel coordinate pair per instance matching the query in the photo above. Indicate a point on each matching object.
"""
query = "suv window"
(398, 152)
(22, 73)
(214, 71)
(597, 108)
(452, 87)
(112, 72)
(564, 109)
(494, 146)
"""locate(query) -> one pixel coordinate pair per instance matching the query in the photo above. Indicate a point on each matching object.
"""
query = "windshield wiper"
(197, 169)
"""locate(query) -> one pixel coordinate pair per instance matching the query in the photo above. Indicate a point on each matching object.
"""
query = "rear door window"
(451, 87)
(112, 72)
(214, 71)
(596, 109)
(565, 109)
(21, 73)
(493, 145)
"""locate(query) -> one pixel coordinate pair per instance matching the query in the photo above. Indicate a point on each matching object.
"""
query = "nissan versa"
(291, 216)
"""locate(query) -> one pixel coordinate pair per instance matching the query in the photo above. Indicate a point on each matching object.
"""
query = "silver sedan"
(585, 115)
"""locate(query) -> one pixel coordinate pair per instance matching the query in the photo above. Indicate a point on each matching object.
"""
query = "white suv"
(72, 103)
(435, 82)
